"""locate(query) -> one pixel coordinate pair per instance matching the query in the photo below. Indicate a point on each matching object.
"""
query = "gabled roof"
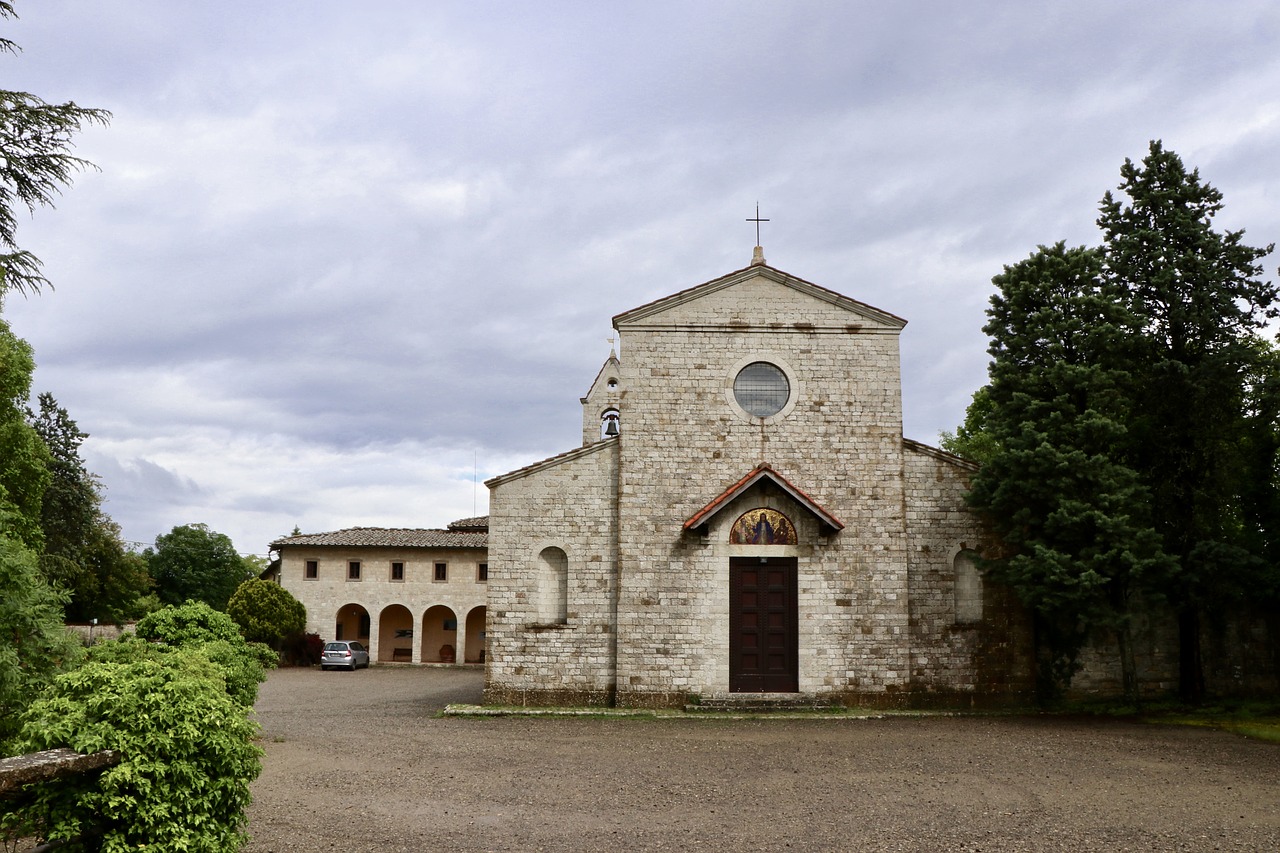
(829, 523)
(558, 459)
(937, 453)
(807, 287)
(610, 362)
(387, 537)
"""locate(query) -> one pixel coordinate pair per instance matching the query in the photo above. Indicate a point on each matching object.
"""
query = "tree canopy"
(83, 549)
(1200, 305)
(1128, 430)
(36, 141)
(1055, 480)
(24, 460)
(35, 162)
(34, 644)
(193, 562)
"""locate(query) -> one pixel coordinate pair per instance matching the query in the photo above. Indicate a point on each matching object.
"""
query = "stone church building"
(744, 516)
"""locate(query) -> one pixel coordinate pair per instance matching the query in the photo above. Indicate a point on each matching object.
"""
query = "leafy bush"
(191, 623)
(266, 612)
(196, 625)
(34, 644)
(302, 649)
(187, 747)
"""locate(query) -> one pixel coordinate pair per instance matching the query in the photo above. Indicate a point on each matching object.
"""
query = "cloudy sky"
(343, 259)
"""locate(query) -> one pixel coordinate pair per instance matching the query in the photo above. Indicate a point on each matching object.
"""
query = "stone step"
(759, 703)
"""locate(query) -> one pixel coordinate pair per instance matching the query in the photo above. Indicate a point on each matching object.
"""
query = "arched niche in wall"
(553, 585)
(968, 589)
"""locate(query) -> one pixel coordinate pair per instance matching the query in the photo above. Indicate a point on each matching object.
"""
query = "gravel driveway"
(358, 761)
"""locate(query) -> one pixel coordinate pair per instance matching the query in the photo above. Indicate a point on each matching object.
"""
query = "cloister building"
(410, 595)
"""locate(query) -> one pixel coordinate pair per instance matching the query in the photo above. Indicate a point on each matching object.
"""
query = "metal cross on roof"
(757, 221)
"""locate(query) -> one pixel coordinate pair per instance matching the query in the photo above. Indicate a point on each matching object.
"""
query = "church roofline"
(657, 306)
(938, 453)
(702, 517)
(551, 462)
(612, 359)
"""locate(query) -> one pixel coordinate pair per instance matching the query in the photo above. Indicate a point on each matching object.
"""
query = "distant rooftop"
(459, 535)
(478, 524)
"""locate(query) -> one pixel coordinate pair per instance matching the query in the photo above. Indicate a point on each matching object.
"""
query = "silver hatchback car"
(344, 655)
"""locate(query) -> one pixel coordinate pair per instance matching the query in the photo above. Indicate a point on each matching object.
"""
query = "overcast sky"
(343, 259)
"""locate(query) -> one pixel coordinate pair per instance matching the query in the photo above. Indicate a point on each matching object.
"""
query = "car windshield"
(336, 647)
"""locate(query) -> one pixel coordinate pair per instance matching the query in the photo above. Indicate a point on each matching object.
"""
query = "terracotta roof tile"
(388, 537)
(828, 521)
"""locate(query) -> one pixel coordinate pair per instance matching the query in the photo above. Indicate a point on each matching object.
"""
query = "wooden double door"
(763, 636)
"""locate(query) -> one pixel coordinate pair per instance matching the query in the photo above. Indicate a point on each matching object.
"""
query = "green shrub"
(34, 644)
(196, 625)
(187, 747)
(266, 612)
(185, 624)
(302, 649)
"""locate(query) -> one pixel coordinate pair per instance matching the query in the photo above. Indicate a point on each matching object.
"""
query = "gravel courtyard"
(359, 762)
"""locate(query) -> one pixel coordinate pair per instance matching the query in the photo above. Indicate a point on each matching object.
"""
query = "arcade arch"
(352, 623)
(439, 635)
(395, 634)
(475, 637)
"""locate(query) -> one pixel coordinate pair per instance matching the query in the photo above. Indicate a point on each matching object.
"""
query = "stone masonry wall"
(684, 441)
(980, 662)
(567, 503)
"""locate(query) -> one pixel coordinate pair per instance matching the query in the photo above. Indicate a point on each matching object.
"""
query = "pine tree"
(35, 163)
(1055, 484)
(1200, 304)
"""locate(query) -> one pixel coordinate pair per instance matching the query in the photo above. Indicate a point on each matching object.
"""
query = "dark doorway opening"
(763, 637)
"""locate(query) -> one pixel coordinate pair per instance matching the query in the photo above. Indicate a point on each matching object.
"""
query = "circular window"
(761, 389)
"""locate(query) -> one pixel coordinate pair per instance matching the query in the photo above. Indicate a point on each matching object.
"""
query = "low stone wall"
(95, 633)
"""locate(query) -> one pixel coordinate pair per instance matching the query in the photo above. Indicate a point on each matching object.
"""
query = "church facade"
(744, 516)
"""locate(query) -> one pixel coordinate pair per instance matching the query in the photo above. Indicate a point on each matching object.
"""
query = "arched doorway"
(352, 623)
(395, 634)
(475, 644)
(439, 635)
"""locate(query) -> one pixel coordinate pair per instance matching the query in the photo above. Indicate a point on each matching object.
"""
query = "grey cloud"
(323, 231)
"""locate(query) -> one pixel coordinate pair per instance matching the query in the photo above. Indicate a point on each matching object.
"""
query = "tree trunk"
(1190, 666)
(1128, 668)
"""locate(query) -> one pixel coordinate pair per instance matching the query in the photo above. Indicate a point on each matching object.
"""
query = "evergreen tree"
(83, 550)
(35, 162)
(1199, 303)
(69, 506)
(266, 612)
(1069, 510)
(972, 440)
